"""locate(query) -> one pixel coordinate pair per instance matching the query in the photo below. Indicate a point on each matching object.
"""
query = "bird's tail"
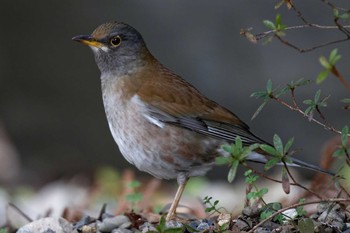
(308, 166)
(259, 158)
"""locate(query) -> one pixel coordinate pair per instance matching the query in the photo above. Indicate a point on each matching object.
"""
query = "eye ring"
(115, 41)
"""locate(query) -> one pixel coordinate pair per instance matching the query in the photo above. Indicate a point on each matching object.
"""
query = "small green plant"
(269, 209)
(212, 205)
(277, 27)
(3, 230)
(328, 65)
(278, 152)
(274, 94)
(344, 149)
(315, 104)
(134, 197)
(305, 225)
(238, 154)
(300, 209)
(250, 179)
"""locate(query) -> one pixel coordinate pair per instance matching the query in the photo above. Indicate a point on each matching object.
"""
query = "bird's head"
(117, 47)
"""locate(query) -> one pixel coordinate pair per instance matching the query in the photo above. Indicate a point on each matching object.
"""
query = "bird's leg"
(182, 180)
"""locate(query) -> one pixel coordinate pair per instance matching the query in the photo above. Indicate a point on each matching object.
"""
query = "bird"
(161, 123)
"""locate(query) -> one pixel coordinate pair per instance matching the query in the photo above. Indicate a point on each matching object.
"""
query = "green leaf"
(344, 16)
(335, 12)
(265, 214)
(276, 205)
(346, 100)
(269, 24)
(238, 142)
(271, 163)
(334, 57)
(248, 172)
(309, 110)
(278, 19)
(251, 195)
(288, 145)
(302, 82)
(306, 225)
(262, 192)
(259, 94)
(322, 76)
(308, 102)
(344, 136)
(317, 96)
(338, 153)
(277, 142)
(259, 109)
(324, 62)
(162, 225)
(174, 230)
(134, 184)
(269, 149)
(269, 86)
(233, 170)
(226, 147)
(134, 197)
(221, 160)
(189, 228)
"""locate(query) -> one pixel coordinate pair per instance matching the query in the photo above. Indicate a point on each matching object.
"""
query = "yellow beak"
(88, 40)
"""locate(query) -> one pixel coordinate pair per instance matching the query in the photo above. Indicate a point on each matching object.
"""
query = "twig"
(279, 181)
(307, 24)
(297, 109)
(294, 206)
(20, 212)
(341, 78)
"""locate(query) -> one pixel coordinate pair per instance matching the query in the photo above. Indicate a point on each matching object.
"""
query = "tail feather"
(259, 158)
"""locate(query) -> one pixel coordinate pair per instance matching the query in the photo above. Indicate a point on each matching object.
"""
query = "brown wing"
(171, 99)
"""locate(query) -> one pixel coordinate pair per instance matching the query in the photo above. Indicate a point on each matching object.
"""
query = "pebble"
(146, 227)
(174, 224)
(224, 219)
(242, 225)
(47, 225)
(109, 224)
(122, 230)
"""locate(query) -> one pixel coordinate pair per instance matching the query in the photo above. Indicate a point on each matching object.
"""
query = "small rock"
(173, 224)
(122, 230)
(262, 230)
(242, 225)
(85, 220)
(88, 229)
(146, 227)
(202, 226)
(271, 225)
(109, 224)
(322, 207)
(224, 219)
(125, 225)
(251, 211)
(47, 225)
(289, 214)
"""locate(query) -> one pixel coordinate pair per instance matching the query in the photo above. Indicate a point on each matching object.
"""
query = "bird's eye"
(115, 41)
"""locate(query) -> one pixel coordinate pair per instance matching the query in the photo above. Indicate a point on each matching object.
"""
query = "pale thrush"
(161, 123)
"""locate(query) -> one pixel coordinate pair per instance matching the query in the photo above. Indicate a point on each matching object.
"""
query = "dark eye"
(115, 41)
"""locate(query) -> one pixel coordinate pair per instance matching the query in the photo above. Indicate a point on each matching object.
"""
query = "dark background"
(50, 98)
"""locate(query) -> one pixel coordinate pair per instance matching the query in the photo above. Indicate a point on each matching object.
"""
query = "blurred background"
(51, 113)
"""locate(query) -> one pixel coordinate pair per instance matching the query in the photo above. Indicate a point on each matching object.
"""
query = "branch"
(294, 206)
(279, 181)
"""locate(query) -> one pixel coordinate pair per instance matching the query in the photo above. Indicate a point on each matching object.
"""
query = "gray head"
(117, 47)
